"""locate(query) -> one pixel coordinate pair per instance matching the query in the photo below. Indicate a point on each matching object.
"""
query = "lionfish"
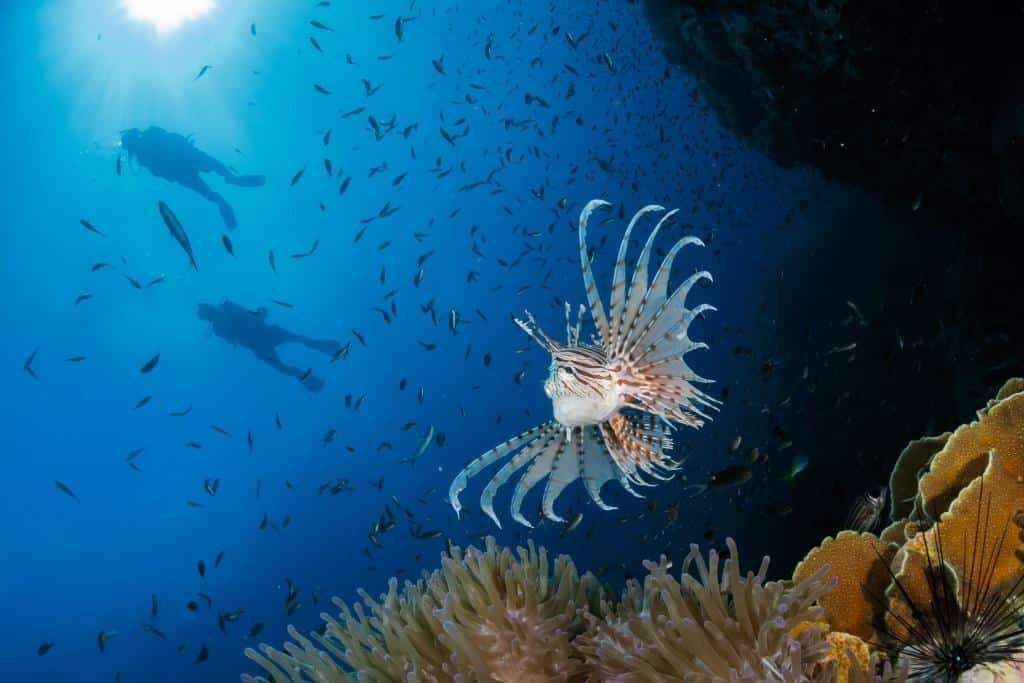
(616, 399)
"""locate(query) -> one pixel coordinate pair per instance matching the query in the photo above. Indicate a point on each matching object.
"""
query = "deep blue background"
(78, 71)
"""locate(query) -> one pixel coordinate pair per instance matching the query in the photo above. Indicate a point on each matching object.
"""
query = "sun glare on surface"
(167, 15)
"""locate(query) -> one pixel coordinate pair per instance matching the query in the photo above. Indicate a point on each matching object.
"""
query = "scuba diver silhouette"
(175, 158)
(240, 326)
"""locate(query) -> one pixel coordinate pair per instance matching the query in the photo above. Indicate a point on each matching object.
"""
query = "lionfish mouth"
(644, 335)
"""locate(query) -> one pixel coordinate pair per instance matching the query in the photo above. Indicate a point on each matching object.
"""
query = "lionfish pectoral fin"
(490, 457)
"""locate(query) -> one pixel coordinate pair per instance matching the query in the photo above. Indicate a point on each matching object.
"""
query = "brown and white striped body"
(614, 401)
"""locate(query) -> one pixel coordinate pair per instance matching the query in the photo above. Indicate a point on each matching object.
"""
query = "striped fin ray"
(490, 457)
(564, 471)
(636, 301)
(597, 467)
(617, 301)
(593, 298)
(513, 465)
(626, 469)
(539, 468)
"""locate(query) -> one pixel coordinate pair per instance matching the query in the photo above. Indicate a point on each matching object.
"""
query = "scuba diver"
(240, 326)
(173, 157)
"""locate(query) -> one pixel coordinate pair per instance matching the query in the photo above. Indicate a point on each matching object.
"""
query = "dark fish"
(74, 359)
(252, 29)
(90, 227)
(202, 72)
(255, 630)
(316, 24)
(102, 638)
(133, 282)
(82, 297)
(312, 250)
(226, 241)
(134, 454)
(27, 365)
(217, 560)
(177, 231)
(150, 364)
(143, 401)
(154, 631)
(273, 263)
(201, 568)
(298, 174)
(734, 475)
(45, 647)
(64, 487)
(321, 89)
(248, 438)
(181, 413)
(357, 110)
(315, 44)
(282, 304)
(152, 605)
(344, 185)
(204, 654)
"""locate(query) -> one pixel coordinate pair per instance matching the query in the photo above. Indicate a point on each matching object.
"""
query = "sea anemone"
(490, 615)
(708, 627)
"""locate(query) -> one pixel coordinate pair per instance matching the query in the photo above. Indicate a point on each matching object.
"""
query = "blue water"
(79, 71)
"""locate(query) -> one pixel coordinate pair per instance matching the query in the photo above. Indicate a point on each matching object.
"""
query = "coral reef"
(951, 589)
(911, 99)
(938, 595)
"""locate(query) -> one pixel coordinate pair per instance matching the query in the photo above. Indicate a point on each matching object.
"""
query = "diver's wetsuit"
(241, 327)
(173, 157)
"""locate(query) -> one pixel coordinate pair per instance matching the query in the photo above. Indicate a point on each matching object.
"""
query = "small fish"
(735, 475)
(27, 365)
(82, 297)
(202, 72)
(228, 246)
(573, 523)
(45, 647)
(153, 606)
(273, 263)
(177, 231)
(181, 413)
(255, 630)
(297, 176)
(102, 638)
(323, 27)
(150, 364)
(154, 631)
(798, 465)
(143, 401)
(201, 568)
(66, 489)
(204, 654)
(313, 41)
(321, 89)
(90, 227)
(867, 510)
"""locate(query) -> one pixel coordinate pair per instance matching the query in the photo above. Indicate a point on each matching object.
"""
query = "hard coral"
(857, 562)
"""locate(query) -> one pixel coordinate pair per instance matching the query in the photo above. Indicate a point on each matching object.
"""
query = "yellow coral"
(858, 563)
(903, 480)
(965, 455)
